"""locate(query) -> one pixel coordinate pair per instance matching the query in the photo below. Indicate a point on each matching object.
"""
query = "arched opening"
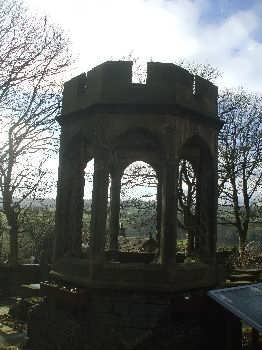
(197, 199)
(186, 209)
(86, 218)
(138, 209)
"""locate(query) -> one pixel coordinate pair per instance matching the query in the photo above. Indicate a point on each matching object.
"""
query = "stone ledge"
(155, 277)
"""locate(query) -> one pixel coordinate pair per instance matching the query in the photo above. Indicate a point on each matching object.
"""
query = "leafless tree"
(204, 70)
(187, 188)
(34, 54)
(240, 157)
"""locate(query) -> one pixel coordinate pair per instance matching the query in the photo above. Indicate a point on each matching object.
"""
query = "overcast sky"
(224, 33)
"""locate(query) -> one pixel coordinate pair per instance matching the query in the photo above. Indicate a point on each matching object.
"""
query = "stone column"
(169, 198)
(159, 206)
(63, 198)
(169, 214)
(99, 208)
(211, 211)
(214, 200)
(206, 211)
(75, 222)
(69, 202)
(114, 209)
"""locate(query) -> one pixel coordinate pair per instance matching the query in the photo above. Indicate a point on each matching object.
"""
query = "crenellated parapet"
(167, 84)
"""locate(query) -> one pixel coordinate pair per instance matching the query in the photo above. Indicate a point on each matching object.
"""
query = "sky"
(224, 33)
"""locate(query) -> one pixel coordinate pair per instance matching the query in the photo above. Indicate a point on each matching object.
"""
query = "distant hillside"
(36, 203)
(45, 203)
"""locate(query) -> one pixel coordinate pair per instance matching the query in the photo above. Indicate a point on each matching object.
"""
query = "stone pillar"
(206, 211)
(169, 178)
(159, 206)
(114, 209)
(69, 202)
(211, 197)
(169, 214)
(99, 208)
(214, 198)
(76, 213)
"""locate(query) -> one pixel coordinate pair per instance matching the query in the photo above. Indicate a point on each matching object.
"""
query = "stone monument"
(108, 118)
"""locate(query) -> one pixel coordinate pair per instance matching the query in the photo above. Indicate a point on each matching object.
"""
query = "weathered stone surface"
(167, 84)
(127, 321)
(107, 321)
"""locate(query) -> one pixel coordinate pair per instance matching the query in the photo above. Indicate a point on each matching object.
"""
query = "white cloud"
(231, 47)
(163, 31)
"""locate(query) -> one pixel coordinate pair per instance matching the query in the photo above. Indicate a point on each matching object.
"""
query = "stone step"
(237, 283)
(243, 276)
(249, 271)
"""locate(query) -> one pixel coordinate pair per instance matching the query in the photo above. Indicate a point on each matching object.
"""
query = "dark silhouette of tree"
(187, 202)
(34, 54)
(240, 157)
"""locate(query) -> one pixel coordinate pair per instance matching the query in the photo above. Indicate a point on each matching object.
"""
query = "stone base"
(136, 276)
(125, 320)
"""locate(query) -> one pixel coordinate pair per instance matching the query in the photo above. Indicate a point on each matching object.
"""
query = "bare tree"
(206, 71)
(33, 56)
(187, 188)
(240, 157)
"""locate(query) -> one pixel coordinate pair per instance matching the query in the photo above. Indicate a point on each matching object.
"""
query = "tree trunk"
(242, 243)
(13, 236)
(13, 257)
(1, 245)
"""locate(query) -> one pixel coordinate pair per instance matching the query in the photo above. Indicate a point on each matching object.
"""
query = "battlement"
(167, 83)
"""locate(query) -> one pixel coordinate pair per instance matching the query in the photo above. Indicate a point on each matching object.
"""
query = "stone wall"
(127, 320)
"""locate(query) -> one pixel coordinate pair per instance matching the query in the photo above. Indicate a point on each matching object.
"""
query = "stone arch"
(194, 149)
(138, 213)
(79, 146)
(137, 139)
(136, 144)
(126, 163)
(143, 171)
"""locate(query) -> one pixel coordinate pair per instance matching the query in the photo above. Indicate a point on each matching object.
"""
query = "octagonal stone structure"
(107, 117)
